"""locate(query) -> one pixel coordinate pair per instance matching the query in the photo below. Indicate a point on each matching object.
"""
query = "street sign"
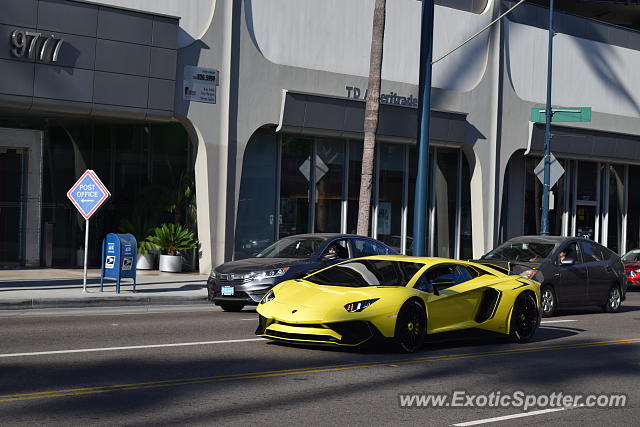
(562, 114)
(88, 194)
(555, 170)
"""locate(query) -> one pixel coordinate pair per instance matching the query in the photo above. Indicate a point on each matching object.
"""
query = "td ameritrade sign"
(88, 194)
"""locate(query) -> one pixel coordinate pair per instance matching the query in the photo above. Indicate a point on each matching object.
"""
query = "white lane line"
(253, 318)
(510, 417)
(132, 347)
(558, 321)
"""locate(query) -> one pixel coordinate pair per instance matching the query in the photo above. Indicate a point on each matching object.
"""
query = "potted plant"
(146, 258)
(172, 238)
(140, 226)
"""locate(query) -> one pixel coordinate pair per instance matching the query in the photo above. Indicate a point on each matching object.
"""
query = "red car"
(631, 261)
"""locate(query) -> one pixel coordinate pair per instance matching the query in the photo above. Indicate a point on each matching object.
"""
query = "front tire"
(411, 327)
(525, 318)
(232, 307)
(614, 300)
(548, 301)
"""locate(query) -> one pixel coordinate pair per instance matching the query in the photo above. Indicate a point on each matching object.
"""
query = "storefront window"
(355, 172)
(466, 246)
(633, 212)
(391, 182)
(255, 224)
(12, 164)
(332, 163)
(587, 172)
(616, 206)
(146, 167)
(296, 172)
(533, 200)
(446, 184)
(329, 183)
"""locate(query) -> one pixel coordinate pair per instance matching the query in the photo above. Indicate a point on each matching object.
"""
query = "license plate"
(228, 290)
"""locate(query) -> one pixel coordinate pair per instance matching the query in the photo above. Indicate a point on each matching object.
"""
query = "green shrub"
(173, 238)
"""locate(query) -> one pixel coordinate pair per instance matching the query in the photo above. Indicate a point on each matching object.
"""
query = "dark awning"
(344, 117)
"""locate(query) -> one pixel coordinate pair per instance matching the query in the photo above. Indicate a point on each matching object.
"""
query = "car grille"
(302, 337)
(227, 280)
(300, 325)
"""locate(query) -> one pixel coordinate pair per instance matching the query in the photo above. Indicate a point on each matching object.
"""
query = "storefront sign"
(391, 98)
(29, 45)
(199, 84)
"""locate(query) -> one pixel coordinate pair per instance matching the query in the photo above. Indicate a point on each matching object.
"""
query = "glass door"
(586, 221)
(11, 206)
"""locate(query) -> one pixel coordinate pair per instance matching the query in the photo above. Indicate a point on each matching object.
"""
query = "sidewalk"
(58, 288)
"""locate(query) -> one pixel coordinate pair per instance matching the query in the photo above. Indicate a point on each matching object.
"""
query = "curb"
(40, 303)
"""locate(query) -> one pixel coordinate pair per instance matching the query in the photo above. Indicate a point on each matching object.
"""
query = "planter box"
(145, 262)
(171, 263)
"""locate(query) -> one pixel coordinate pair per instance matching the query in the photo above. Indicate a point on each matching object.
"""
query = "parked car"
(236, 284)
(572, 271)
(631, 261)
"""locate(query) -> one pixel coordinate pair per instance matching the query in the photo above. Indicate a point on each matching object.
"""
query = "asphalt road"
(198, 365)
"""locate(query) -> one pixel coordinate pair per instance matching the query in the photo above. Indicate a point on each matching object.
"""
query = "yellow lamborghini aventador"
(400, 298)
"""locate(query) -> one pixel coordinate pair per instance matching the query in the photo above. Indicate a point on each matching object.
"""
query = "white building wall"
(585, 72)
(335, 36)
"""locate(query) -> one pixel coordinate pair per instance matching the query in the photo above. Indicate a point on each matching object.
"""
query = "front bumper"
(247, 293)
(349, 334)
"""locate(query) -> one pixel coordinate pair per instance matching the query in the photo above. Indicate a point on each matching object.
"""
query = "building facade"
(275, 146)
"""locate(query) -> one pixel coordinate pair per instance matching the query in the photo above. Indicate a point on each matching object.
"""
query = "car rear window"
(521, 251)
(293, 247)
(367, 272)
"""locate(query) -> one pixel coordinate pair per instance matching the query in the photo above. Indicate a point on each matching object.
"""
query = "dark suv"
(244, 282)
(573, 271)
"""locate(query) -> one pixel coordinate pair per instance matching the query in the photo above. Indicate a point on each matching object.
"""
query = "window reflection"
(391, 180)
(633, 212)
(329, 182)
(294, 185)
(355, 171)
(446, 182)
(336, 162)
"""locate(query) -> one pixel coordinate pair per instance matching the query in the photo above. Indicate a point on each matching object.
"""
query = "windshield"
(367, 272)
(631, 256)
(521, 251)
(292, 247)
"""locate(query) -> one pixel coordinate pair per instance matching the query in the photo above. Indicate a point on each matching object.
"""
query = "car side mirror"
(567, 261)
(329, 257)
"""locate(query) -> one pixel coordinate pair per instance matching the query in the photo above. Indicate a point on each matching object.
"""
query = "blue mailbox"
(119, 257)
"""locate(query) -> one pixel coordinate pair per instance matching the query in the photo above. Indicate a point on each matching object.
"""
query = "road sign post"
(87, 195)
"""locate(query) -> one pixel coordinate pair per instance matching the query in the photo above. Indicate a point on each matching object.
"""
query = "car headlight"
(528, 273)
(268, 297)
(260, 275)
(213, 275)
(356, 307)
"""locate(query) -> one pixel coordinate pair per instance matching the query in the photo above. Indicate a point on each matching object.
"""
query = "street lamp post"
(424, 110)
(544, 220)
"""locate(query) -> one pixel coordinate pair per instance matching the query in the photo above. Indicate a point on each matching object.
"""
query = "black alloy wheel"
(411, 327)
(614, 300)
(548, 301)
(525, 318)
(232, 307)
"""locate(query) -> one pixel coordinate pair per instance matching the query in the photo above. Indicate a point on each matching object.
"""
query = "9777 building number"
(29, 44)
